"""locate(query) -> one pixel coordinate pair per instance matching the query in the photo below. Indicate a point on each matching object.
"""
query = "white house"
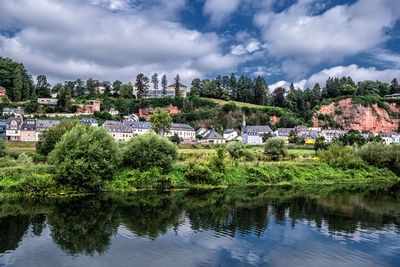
(329, 135)
(119, 131)
(184, 131)
(89, 121)
(230, 134)
(14, 111)
(113, 112)
(390, 137)
(138, 127)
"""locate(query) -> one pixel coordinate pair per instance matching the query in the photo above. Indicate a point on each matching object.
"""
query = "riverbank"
(28, 179)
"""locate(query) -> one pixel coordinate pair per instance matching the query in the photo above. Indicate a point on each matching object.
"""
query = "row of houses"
(16, 129)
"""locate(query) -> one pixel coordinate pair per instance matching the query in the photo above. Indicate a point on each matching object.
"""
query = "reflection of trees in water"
(83, 225)
(12, 229)
(86, 225)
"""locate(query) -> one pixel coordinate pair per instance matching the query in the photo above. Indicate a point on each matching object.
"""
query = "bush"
(341, 156)
(3, 149)
(37, 184)
(381, 155)
(152, 178)
(199, 174)
(236, 150)
(85, 157)
(150, 150)
(275, 148)
(218, 161)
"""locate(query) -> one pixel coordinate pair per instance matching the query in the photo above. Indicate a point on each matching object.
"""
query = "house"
(28, 131)
(329, 135)
(182, 89)
(119, 131)
(283, 133)
(393, 95)
(113, 112)
(184, 131)
(88, 108)
(42, 125)
(89, 121)
(309, 136)
(230, 134)
(202, 132)
(213, 137)
(250, 133)
(47, 101)
(109, 122)
(138, 127)
(390, 137)
(3, 127)
(13, 129)
(13, 111)
(131, 117)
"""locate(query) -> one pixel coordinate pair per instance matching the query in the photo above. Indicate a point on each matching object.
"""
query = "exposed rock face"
(358, 117)
(274, 119)
(147, 112)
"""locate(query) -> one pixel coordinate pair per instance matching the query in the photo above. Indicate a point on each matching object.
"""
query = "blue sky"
(301, 41)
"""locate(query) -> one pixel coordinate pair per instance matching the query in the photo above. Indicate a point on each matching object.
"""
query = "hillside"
(351, 113)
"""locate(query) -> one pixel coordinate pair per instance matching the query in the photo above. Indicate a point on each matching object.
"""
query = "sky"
(300, 41)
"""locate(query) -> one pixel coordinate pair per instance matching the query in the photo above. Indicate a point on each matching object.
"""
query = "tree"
(49, 137)
(18, 84)
(56, 88)
(260, 91)
(266, 136)
(150, 150)
(279, 97)
(107, 87)
(155, 81)
(394, 87)
(236, 150)
(164, 85)
(3, 149)
(320, 144)
(142, 85)
(175, 139)
(293, 138)
(91, 85)
(160, 122)
(64, 97)
(85, 158)
(196, 84)
(116, 87)
(352, 137)
(177, 86)
(275, 148)
(348, 89)
(317, 94)
(42, 86)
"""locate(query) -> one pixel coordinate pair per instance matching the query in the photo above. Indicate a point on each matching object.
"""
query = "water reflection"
(87, 225)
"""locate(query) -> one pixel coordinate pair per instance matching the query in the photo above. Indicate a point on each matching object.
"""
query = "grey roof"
(44, 124)
(387, 134)
(3, 121)
(393, 95)
(119, 128)
(14, 118)
(213, 135)
(88, 121)
(14, 110)
(229, 131)
(258, 128)
(110, 122)
(181, 127)
(137, 124)
(29, 125)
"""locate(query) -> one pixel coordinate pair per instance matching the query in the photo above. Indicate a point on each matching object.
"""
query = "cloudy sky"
(304, 41)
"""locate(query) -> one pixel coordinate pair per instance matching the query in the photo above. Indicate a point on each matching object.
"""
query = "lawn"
(22, 147)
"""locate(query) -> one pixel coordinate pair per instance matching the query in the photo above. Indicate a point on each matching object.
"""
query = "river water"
(342, 225)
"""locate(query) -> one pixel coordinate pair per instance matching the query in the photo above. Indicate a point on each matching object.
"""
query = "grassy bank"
(27, 179)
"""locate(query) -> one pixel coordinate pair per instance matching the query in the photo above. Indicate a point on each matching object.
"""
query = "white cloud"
(344, 30)
(251, 45)
(220, 10)
(71, 39)
(355, 72)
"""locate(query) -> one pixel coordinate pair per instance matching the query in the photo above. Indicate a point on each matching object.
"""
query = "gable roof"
(228, 131)
(88, 121)
(181, 127)
(137, 124)
(213, 135)
(258, 128)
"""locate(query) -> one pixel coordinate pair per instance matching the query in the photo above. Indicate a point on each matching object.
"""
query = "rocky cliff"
(350, 115)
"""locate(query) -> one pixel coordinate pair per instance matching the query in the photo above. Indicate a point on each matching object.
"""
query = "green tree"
(42, 86)
(164, 85)
(3, 149)
(218, 160)
(142, 85)
(275, 148)
(49, 137)
(107, 87)
(116, 87)
(175, 139)
(177, 86)
(160, 122)
(56, 88)
(85, 158)
(394, 87)
(279, 97)
(150, 150)
(155, 81)
(348, 89)
(260, 91)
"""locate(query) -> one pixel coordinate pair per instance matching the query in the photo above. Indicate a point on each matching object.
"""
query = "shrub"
(375, 153)
(341, 156)
(150, 150)
(7, 162)
(37, 184)
(199, 174)
(236, 150)
(24, 159)
(250, 155)
(3, 149)
(218, 160)
(275, 148)
(152, 178)
(85, 157)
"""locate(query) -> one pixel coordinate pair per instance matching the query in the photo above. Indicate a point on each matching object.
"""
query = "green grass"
(302, 152)
(22, 147)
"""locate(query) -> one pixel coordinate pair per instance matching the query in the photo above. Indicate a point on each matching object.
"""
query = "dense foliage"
(150, 150)
(85, 158)
(275, 148)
